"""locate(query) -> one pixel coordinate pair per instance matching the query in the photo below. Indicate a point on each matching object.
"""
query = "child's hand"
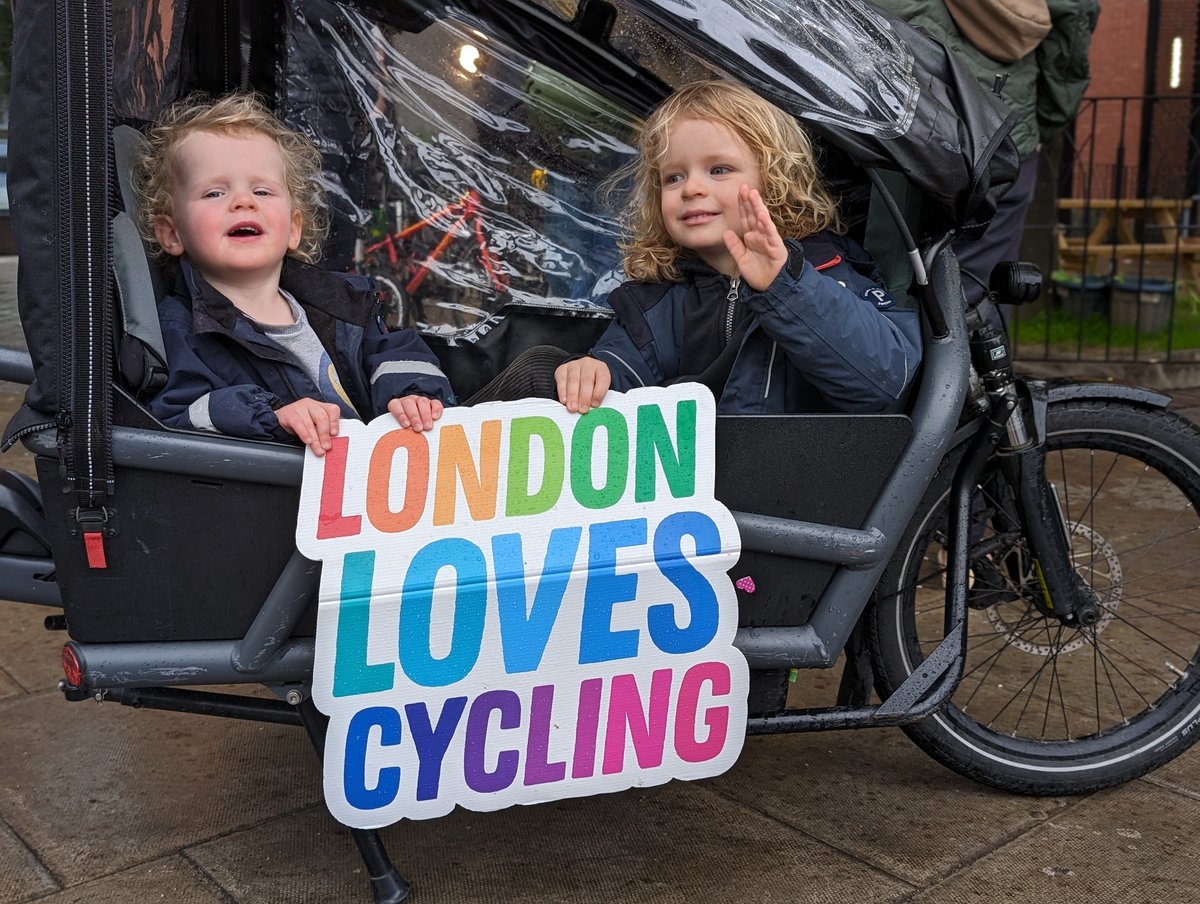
(415, 411)
(582, 383)
(314, 423)
(760, 253)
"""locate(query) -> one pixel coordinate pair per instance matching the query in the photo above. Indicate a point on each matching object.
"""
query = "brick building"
(1139, 128)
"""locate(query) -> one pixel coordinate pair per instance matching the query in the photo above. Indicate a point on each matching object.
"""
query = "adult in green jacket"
(1042, 70)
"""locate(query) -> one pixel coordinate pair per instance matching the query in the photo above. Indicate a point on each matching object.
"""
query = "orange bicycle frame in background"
(466, 209)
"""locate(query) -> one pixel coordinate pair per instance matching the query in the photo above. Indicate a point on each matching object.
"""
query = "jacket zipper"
(731, 299)
(287, 382)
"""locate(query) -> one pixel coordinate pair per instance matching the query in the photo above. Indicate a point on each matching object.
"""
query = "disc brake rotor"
(1098, 564)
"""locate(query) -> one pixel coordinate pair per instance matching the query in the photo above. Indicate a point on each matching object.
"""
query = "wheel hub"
(1098, 566)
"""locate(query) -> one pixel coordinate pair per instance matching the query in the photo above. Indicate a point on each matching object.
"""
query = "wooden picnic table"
(1114, 232)
(1120, 215)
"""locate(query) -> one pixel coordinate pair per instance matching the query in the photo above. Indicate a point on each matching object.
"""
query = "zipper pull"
(731, 298)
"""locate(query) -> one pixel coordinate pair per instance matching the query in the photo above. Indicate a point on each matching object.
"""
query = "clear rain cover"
(465, 175)
(838, 63)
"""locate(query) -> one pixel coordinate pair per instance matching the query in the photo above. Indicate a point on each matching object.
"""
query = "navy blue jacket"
(824, 336)
(226, 376)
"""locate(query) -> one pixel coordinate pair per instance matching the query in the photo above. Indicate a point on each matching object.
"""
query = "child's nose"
(693, 185)
(243, 199)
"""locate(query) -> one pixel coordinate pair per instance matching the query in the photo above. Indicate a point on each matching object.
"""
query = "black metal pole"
(387, 885)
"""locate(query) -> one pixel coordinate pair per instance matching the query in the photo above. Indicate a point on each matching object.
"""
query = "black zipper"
(287, 382)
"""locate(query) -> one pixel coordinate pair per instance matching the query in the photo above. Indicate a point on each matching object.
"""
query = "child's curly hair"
(791, 188)
(156, 172)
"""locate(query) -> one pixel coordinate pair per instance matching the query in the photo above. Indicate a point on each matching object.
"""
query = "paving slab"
(873, 794)
(95, 789)
(675, 843)
(30, 655)
(1182, 774)
(1135, 845)
(171, 879)
(21, 875)
(8, 686)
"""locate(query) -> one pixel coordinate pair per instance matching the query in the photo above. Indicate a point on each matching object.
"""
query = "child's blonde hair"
(791, 188)
(156, 173)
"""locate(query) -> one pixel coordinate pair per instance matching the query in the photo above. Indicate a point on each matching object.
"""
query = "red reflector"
(71, 667)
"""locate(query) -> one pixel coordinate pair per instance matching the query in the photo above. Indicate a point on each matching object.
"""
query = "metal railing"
(1114, 228)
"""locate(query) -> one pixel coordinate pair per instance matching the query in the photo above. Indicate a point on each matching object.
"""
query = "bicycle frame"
(467, 209)
(1035, 512)
(266, 654)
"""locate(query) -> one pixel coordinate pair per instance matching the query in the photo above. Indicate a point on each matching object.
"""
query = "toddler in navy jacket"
(737, 277)
(260, 343)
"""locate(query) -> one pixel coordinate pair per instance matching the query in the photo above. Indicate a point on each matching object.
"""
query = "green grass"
(1092, 335)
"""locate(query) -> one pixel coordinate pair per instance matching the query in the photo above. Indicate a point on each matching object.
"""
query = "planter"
(1081, 297)
(1144, 303)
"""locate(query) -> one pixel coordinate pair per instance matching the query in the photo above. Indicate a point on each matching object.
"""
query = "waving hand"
(759, 253)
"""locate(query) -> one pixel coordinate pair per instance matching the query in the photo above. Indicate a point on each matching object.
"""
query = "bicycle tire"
(1042, 708)
(394, 309)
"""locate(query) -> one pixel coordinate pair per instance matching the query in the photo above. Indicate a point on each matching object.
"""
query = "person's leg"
(1002, 239)
(530, 376)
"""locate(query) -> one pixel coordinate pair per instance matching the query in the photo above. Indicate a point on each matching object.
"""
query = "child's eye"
(263, 192)
(212, 193)
(721, 170)
(671, 178)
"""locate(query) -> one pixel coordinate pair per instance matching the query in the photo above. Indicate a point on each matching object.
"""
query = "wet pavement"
(104, 804)
(10, 323)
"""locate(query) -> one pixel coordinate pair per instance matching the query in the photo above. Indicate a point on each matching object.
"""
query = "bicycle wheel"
(1044, 708)
(393, 308)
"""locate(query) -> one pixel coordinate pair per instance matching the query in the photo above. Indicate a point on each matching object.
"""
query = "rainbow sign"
(523, 605)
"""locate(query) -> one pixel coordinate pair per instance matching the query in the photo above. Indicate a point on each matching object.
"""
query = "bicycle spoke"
(1127, 482)
(1121, 674)
(1172, 607)
(1098, 655)
(1033, 679)
(1127, 603)
(1053, 658)
(991, 661)
(1117, 617)
(1028, 700)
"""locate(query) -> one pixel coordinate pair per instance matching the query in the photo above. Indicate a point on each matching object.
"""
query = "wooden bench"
(1071, 253)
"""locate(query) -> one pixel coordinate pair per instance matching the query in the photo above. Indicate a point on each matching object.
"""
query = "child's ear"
(168, 236)
(297, 229)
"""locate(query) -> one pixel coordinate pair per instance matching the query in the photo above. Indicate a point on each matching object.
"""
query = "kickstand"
(387, 885)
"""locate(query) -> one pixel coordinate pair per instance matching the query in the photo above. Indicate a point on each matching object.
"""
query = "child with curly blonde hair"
(736, 277)
(260, 343)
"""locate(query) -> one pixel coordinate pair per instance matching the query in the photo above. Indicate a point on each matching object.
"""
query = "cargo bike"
(1010, 566)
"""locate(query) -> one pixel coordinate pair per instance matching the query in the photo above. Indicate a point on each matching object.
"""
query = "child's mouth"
(244, 230)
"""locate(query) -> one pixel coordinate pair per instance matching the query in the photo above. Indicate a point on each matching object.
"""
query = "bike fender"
(1103, 391)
